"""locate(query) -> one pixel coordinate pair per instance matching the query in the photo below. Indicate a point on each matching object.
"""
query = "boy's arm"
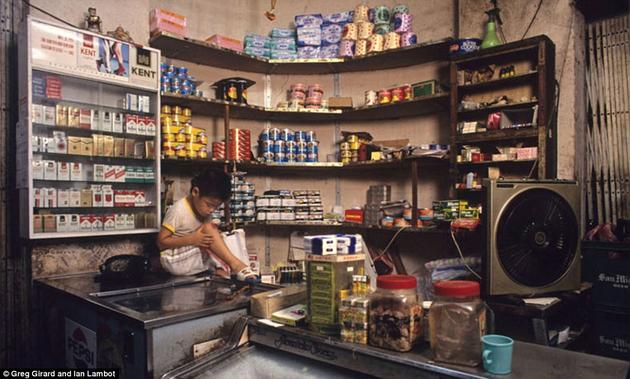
(167, 240)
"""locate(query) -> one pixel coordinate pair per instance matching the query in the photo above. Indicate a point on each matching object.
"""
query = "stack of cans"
(349, 149)
(287, 146)
(242, 204)
(218, 150)
(240, 145)
(176, 80)
(179, 138)
(376, 195)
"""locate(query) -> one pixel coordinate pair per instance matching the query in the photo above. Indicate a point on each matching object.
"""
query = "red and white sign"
(80, 346)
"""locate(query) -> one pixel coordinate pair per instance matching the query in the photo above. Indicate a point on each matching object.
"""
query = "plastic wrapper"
(255, 40)
(308, 52)
(337, 18)
(309, 20)
(332, 33)
(329, 51)
(257, 51)
(282, 33)
(309, 36)
(283, 44)
(283, 54)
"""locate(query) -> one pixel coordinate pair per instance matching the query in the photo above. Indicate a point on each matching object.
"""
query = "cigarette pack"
(141, 126)
(61, 115)
(108, 146)
(74, 224)
(75, 198)
(131, 124)
(120, 221)
(63, 197)
(38, 224)
(109, 222)
(98, 174)
(106, 121)
(117, 123)
(63, 171)
(129, 147)
(86, 223)
(74, 114)
(62, 223)
(50, 170)
(51, 198)
(97, 223)
(97, 196)
(37, 115)
(119, 174)
(86, 197)
(131, 221)
(95, 120)
(87, 146)
(150, 123)
(74, 145)
(110, 173)
(38, 197)
(50, 223)
(49, 115)
(97, 141)
(119, 147)
(38, 170)
(108, 195)
(85, 118)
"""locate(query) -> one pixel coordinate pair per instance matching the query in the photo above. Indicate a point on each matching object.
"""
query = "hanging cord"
(48, 13)
(392, 240)
(461, 255)
(532, 20)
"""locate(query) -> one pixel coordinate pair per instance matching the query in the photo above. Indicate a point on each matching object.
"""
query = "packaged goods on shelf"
(308, 52)
(177, 80)
(167, 21)
(309, 20)
(179, 138)
(242, 204)
(292, 316)
(233, 89)
(225, 42)
(287, 146)
(336, 18)
(283, 33)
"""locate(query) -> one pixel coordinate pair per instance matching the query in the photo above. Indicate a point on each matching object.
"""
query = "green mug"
(496, 353)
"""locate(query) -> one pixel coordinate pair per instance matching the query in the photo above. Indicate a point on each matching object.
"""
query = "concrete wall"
(556, 19)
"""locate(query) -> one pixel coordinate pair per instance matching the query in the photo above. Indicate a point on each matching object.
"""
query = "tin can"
(384, 96)
(365, 30)
(371, 98)
(344, 146)
(287, 135)
(392, 41)
(268, 157)
(300, 157)
(274, 134)
(375, 43)
(397, 95)
(300, 135)
(168, 137)
(346, 48)
(408, 39)
(408, 93)
(266, 146)
(381, 14)
(298, 95)
(298, 87)
(361, 47)
(301, 148)
(355, 146)
(361, 13)
(174, 89)
(176, 110)
(182, 71)
(279, 157)
(165, 87)
(279, 146)
(264, 135)
(311, 157)
(315, 90)
(312, 147)
(350, 32)
(172, 68)
(345, 154)
(291, 157)
(165, 109)
(352, 138)
(187, 112)
(290, 147)
(311, 136)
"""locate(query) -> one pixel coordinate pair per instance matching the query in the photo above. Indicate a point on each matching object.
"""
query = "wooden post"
(414, 193)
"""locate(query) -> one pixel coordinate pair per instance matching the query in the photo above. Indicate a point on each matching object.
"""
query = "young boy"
(188, 241)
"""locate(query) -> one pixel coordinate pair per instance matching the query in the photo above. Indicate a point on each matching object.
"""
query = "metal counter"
(145, 327)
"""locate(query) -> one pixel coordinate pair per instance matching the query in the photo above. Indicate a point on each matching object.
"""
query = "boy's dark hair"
(213, 183)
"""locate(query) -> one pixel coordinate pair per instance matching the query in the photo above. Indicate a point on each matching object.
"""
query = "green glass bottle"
(491, 38)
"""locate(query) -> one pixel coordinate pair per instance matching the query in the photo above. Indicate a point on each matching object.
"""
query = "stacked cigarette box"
(332, 244)
(375, 196)
(60, 223)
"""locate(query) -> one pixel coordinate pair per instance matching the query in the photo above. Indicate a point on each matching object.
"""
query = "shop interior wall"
(235, 20)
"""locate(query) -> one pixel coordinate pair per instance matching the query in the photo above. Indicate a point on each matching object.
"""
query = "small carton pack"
(85, 118)
(131, 124)
(76, 171)
(129, 147)
(74, 114)
(108, 146)
(49, 115)
(37, 114)
(119, 174)
(97, 140)
(87, 146)
(38, 170)
(119, 147)
(38, 197)
(139, 199)
(97, 223)
(38, 224)
(74, 224)
(97, 195)
(121, 221)
(95, 120)
(86, 223)
(74, 145)
(50, 223)
(117, 123)
(151, 127)
(63, 171)
(109, 222)
(50, 170)
(131, 221)
(75, 198)
(62, 223)
(86, 197)
(141, 126)
(108, 195)
(99, 173)
(61, 115)
(106, 121)
(109, 173)
(63, 197)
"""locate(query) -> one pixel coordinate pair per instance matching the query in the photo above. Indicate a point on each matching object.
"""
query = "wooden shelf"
(203, 53)
(485, 55)
(291, 224)
(496, 108)
(216, 108)
(256, 167)
(517, 161)
(501, 82)
(497, 135)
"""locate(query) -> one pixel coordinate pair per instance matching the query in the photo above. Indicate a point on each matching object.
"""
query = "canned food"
(352, 138)
(300, 157)
(279, 157)
(291, 157)
(355, 146)
(165, 87)
(187, 112)
(266, 146)
(344, 146)
(365, 30)
(287, 135)
(350, 32)
(345, 154)
(274, 134)
(291, 147)
(397, 95)
(203, 152)
(279, 146)
(264, 135)
(312, 147)
(408, 93)
(176, 110)
(268, 157)
(298, 87)
(311, 157)
(168, 137)
(315, 90)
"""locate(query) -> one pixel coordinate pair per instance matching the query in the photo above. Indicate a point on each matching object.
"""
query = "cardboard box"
(61, 115)
(131, 222)
(62, 223)
(50, 170)
(63, 197)
(108, 146)
(39, 195)
(87, 146)
(38, 224)
(85, 118)
(97, 223)
(131, 124)
(129, 147)
(339, 102)
(108, 196)
(37, 114)
(98, 142)
(97, 196)
(264, 304)
(75, 198)
(117, 123)
(86, 198)
(167, 21)
(225, 42)
(95, 121)
(120, 220)
(109, 222)
(98, 173)
(141, 126)
(38, 170)
(109, 173)
(49, 115)
(353, 216)
(74, 114)
(74, 224)
(106, 121)
(119, 147)
(119, 175)
(50, 223)
(63, 171)
(74, 145)
(85, 222)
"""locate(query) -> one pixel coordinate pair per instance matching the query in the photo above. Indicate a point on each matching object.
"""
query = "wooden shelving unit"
(538, 79)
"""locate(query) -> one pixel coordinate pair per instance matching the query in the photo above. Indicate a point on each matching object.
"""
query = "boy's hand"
(201, 239)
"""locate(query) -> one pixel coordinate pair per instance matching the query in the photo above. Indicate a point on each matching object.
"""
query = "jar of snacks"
(395, 313)
(457, 320)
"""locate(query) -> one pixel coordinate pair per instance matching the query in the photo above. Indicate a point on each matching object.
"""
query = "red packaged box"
(225, 42)
(354, 216)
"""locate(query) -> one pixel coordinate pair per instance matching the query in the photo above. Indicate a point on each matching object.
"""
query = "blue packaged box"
(258, 52)
(308, 52)
(309, 36)
(309, 20)
(332, 33)
(337, 18)
(254, 40)
(329, 51)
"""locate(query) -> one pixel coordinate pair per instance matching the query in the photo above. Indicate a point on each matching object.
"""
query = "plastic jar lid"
(396, 282)
(456, 288)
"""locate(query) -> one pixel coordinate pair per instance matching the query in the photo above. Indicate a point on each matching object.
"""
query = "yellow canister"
(168, 149)
(166, 120)
(168, 137)
(355, 145)
(166, 109)
(176, 110)
(203, 152)
(344, 146)
(352, 138)
(187, 112)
